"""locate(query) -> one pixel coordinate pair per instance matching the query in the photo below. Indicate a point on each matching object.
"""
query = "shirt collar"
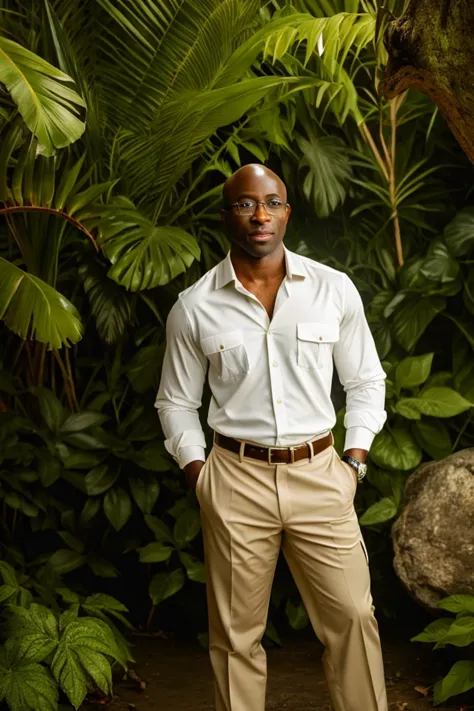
(226, 273)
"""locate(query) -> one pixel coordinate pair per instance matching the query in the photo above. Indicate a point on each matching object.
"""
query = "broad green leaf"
(77, 544)
(49, 467)
(78, 422)
(458, 603)
(186, 527)
(117, 507)
(195, 569)
(406, 407)
(27, 687)
(48, 107)
(327, 170)
(413, 371)
(144, 367)
(439, 265)
(433, 436)
(8, 573)
(395, 449)
(459, 679)
(442, 402)
(32, 633)
(413, 316)
(110, 304)
(90, 510)
(80, 653)
(7, 592)
(297, 615)
(160, 529)
(101, 567)
(381, 511)
(461, 632)
(165, 585)
(107, 603)
(143, 255)
(65, 560)
(155, 552)
(33, 309)
(51, 409)
(100, 479)
(151, 457)
(69, 596)
(145, 491)
(459, 234)
(435, 632)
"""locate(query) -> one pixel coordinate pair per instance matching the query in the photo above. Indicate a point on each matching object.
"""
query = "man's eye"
(247, 203)
(274, 203)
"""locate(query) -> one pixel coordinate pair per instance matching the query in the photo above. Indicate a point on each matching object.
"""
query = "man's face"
(261, 233)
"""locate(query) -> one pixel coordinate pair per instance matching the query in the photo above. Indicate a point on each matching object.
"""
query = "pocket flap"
(221, 342)
(318, 332)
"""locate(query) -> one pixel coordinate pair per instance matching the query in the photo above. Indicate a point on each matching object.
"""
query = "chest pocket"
(226, 354)
(315, 344)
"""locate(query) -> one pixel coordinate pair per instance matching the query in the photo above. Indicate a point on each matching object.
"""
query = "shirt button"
(221, 347)
(275, 364)
(279, 401)
(320, 338)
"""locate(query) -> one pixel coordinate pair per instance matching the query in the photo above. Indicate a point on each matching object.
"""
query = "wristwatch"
(359, 467)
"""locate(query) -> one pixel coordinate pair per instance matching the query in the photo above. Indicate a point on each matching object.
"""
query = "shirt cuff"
(191, 454)
(358, 438)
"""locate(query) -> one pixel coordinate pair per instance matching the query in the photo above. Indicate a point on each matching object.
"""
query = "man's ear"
(224, 215)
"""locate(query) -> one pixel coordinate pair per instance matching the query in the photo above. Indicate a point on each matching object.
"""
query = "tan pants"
(249, 509)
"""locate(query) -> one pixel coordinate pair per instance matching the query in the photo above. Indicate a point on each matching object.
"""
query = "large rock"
(434, 536)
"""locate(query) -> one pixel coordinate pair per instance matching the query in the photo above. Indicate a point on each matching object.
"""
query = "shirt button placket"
(277, 387)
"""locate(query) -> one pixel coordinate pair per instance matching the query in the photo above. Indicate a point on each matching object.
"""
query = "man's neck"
(264, 270)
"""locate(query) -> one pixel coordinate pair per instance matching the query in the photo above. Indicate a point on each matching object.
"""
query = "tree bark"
(431, 49)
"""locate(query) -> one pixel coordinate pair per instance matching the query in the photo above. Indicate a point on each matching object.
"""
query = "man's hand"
(192, 471)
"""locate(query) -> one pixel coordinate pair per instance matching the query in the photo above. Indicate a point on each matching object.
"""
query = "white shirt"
(270, 380)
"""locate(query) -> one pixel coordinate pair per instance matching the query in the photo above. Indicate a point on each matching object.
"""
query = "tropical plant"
(459, 632)
(103, 227)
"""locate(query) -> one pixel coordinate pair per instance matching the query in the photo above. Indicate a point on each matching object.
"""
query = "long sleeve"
(360, 373)
(180, 393)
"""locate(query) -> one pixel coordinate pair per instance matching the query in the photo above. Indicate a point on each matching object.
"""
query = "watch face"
(362, 469)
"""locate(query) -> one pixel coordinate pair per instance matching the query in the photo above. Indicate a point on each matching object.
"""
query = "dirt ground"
(178, 677)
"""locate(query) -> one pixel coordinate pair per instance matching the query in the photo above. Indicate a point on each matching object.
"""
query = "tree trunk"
(431, 49)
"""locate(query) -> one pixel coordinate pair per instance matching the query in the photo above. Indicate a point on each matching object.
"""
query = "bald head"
(254, 173)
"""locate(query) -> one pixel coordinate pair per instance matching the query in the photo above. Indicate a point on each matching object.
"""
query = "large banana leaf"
(48, 107)
(32, 309)
(143, 255)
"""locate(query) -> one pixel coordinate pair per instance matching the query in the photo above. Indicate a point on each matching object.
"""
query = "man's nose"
(261, 215)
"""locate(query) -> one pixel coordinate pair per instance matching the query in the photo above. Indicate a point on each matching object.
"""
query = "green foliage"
(99, 238)
(458, 631)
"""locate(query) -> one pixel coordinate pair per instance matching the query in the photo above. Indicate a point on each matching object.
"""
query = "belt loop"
(311, 451)
(242, 451)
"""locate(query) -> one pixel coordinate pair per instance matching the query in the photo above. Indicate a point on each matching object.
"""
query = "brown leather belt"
(275, 455)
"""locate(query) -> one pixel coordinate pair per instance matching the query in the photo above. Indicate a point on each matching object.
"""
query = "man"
(266, 325)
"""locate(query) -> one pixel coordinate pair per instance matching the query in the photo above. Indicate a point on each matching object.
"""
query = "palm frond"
(110, 304)
(326, 166)
(34, 310)
(155, 49)
(153, 163)
(48, 107)
(142, 255)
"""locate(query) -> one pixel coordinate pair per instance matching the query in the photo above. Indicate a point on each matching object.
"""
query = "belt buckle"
(291, 450)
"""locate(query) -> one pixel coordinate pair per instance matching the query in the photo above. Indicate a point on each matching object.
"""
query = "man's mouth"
(260, 235)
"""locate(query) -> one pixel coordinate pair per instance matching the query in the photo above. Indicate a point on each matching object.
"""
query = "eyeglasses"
(248, 208)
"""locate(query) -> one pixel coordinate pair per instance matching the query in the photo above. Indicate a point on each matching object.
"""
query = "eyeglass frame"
(257, 203)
